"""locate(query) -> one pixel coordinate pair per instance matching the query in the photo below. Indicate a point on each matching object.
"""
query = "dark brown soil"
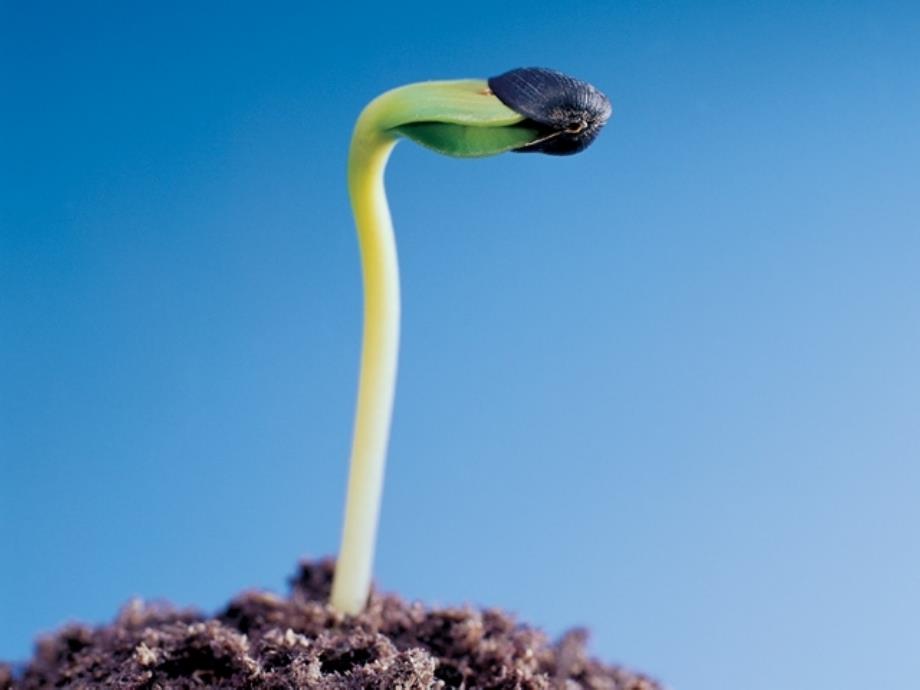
(263, 641)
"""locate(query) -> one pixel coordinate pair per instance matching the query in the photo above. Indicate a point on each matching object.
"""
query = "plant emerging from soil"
(525, 110)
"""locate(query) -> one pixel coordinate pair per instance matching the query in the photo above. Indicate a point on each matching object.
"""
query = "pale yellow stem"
(368, 156)
(463, 102)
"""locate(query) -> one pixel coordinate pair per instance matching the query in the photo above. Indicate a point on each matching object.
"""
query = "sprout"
(522, 110)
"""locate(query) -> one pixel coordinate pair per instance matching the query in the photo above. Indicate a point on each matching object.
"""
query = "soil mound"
(263, 641)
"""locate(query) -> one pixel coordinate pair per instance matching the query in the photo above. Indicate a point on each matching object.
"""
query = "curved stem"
(476, 123)
(370, 149)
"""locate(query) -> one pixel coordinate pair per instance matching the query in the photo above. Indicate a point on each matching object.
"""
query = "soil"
(263, 641)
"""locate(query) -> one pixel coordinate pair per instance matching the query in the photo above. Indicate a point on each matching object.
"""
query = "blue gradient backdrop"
(668, 389)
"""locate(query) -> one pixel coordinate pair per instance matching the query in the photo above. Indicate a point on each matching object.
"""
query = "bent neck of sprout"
(459, 118)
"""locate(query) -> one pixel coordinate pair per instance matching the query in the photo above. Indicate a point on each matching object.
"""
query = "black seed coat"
(570, 112)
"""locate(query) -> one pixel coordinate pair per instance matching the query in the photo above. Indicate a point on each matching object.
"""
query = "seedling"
(524, 110)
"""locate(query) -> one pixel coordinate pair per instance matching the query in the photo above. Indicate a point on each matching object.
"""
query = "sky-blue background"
(668, 389)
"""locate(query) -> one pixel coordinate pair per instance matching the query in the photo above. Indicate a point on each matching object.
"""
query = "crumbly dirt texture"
(264, 641)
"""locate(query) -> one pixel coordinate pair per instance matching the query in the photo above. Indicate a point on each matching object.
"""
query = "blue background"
(668, 389)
